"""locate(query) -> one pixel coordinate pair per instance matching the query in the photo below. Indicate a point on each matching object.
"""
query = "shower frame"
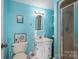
(60, 32)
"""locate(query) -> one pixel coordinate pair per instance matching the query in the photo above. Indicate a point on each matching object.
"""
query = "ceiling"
(46, 4)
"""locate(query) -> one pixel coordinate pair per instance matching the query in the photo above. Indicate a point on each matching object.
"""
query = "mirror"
(38, 22)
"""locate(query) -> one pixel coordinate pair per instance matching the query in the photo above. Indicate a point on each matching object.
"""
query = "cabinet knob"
(37, 48)
(48, 48)
(48, 55)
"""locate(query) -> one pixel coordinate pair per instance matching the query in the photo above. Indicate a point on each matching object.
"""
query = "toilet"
(19, 50)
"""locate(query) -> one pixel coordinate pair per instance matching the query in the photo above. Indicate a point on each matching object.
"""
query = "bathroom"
(31, 20)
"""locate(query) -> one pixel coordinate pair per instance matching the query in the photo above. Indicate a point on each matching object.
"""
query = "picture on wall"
(20, 18)
(19, 37)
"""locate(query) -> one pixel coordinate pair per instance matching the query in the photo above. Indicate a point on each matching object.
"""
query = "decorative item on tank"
(19, 37)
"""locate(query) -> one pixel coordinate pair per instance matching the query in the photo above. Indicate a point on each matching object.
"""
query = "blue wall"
(5, 27)
(11, 26)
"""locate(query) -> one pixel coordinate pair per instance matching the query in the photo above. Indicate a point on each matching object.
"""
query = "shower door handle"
(3, 45)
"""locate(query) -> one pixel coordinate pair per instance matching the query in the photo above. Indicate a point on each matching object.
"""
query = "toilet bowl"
(20, 56)
(19, 50)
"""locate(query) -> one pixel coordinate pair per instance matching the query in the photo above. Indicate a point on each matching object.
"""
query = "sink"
(42, 39)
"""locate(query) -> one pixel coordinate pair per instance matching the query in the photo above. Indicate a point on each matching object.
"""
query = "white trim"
(2, 27)
(59, 31)
(2, 20)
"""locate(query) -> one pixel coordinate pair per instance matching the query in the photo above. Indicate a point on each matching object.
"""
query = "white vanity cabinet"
(43, 48)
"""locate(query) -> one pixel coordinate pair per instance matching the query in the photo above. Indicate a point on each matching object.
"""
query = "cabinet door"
(40, 52)
(47, 53)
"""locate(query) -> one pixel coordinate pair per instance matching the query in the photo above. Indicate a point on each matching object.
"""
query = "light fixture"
(38, 12)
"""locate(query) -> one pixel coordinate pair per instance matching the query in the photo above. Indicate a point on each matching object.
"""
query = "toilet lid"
(20, 56)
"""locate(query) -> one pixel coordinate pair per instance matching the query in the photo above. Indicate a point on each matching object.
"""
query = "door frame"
(59, 13)
(2, 28)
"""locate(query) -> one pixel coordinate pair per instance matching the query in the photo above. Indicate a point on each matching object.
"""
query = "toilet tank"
(19, 47)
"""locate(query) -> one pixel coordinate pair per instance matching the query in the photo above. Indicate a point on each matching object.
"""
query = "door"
(68, 31)
(68, 39)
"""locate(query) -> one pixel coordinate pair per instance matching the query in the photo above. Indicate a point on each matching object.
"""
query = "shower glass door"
(69, 31)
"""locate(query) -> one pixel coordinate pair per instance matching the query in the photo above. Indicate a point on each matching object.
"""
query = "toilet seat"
(20, 56)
